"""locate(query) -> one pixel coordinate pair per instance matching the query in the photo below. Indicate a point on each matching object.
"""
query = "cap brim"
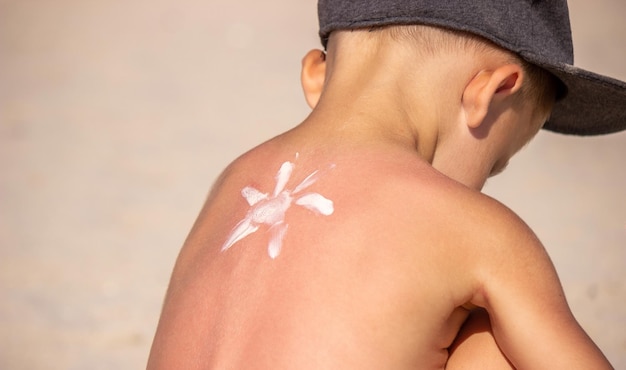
(594, 104)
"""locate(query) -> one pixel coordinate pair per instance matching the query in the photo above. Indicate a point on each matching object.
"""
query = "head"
(503, 101)
(470, 105)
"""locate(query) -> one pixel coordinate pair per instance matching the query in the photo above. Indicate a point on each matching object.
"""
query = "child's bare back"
(384, 281)
(372, 285)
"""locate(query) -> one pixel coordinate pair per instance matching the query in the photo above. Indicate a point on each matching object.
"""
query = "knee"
(475, 346)
(476, 323)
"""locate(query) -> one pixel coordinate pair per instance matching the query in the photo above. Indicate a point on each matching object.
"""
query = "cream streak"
(270, 210)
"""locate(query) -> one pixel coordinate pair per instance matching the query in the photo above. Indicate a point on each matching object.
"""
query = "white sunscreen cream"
(266, 209)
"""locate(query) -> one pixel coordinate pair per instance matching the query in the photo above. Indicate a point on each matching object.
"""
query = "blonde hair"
(540, 86)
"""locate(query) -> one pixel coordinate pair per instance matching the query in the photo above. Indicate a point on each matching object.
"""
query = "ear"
(313, 76)
(490, 87)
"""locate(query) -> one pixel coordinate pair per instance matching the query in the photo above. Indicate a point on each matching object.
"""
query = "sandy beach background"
(116, 117)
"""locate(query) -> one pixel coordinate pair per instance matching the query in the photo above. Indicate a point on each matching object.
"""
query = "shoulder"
(423, 193)
(432, 228)
(471, 233)
(412, 199)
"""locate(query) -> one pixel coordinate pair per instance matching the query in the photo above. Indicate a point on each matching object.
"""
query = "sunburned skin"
(270, 210)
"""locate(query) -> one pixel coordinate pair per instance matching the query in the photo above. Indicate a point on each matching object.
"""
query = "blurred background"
(117, 116)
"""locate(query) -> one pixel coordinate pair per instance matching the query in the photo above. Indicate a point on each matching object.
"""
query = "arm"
(520, 289)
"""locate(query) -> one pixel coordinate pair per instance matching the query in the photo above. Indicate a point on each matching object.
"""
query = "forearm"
(549, 341)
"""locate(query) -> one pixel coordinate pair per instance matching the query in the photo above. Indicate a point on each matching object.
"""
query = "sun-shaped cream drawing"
(270, 210)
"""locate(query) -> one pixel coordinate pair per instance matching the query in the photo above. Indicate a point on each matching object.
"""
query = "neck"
(388, 98)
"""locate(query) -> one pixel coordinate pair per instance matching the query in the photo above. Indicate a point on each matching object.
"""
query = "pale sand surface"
(116, 117)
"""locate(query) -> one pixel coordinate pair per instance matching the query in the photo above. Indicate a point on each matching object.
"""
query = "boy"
(359, 239)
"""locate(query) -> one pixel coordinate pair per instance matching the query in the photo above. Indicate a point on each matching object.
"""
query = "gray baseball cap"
(536, 30)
